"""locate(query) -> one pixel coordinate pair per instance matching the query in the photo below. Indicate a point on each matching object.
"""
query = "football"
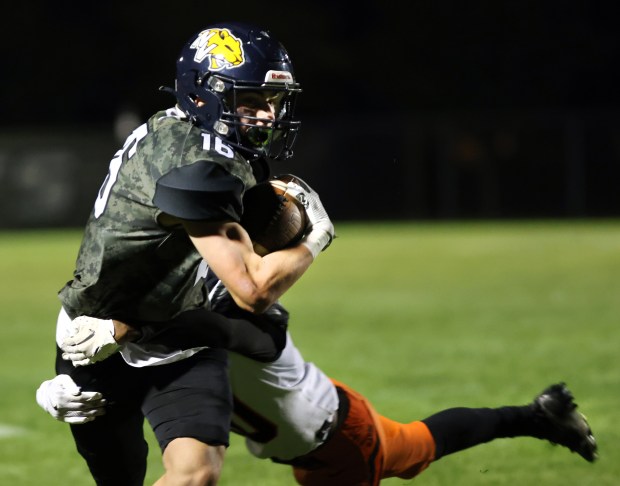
(273, 218)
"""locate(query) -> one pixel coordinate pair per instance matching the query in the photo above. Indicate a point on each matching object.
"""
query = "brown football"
(273, 218)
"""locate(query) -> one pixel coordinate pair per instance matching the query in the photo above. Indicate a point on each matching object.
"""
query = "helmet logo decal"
(224, 50)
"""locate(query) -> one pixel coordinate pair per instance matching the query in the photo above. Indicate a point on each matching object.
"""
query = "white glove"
(91, 341)
(321, 229)
(64, 401)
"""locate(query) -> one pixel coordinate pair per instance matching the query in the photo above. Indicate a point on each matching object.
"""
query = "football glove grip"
(92, 341)
(66, 402)
(320, 228)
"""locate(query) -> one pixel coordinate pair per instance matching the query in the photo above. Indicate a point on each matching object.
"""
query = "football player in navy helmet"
(169, 210)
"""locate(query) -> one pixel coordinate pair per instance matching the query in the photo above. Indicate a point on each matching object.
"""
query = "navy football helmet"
(224, 60)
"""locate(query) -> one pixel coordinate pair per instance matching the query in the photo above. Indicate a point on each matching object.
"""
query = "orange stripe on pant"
(366, 448)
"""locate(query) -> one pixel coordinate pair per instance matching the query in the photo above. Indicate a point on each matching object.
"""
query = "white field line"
(10, 431)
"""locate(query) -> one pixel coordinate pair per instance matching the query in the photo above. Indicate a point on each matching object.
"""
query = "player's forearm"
(269, 277)
(124, 333)
(254, 282)
(260, 338)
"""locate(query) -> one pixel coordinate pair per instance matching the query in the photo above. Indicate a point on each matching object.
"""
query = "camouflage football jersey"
(131, 267)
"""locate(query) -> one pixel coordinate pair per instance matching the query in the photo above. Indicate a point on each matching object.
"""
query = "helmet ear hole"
(208, 107)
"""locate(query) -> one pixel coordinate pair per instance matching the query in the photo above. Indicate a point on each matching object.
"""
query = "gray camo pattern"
(129, 266)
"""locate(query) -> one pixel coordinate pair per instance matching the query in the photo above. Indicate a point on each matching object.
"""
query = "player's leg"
(551, 416)
(366, 447)
(409, 448)
(114, 448)
(113, 445)
(352, 454)
(189, 407)
(189, 461)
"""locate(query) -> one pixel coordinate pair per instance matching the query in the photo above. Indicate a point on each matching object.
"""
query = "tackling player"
(287, 412)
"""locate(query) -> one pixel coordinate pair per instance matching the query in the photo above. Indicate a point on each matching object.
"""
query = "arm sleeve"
(202, 191)
(260, 337)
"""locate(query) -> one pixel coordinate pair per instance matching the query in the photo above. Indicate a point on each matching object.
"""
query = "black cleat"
(560, 423)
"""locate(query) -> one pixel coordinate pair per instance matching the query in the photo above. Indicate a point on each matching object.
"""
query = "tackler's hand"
(92, 341)
(65, 401)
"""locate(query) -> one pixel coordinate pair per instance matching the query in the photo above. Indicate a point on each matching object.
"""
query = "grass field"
(419, 317)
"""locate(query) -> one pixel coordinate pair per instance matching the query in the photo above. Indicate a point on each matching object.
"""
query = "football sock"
(456, 429)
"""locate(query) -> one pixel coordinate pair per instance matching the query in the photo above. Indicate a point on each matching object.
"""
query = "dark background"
(411, 110)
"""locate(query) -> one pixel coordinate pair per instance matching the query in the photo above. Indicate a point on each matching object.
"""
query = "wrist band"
(316, 241)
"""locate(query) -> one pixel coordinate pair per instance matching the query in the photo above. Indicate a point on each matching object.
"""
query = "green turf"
(419, 317)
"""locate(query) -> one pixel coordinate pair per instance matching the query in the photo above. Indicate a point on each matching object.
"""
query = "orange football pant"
(366, 448)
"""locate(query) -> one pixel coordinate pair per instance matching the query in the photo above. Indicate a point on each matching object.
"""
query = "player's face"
(258, 104)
